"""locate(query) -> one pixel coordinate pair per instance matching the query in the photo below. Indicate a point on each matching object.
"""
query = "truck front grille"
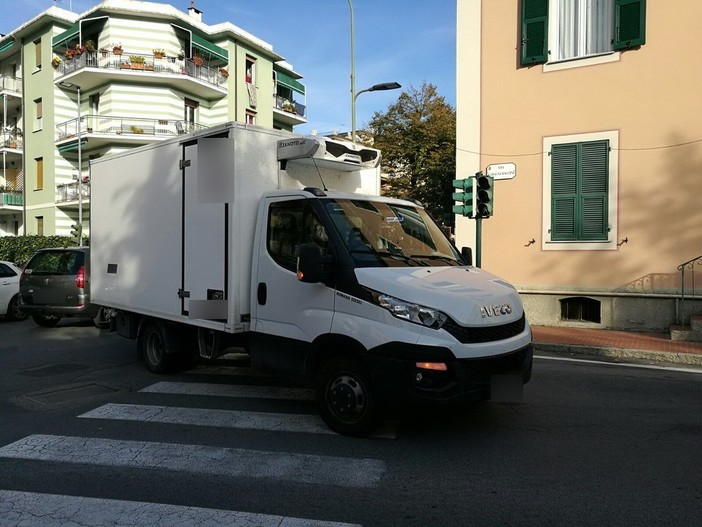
(467, 335)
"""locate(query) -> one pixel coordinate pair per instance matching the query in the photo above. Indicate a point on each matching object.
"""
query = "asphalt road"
(87, 434)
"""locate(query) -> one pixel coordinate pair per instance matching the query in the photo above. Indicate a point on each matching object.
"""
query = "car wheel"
(99, 321)
(346, 399)
(13, 310)
(46, 321)
(152, 346)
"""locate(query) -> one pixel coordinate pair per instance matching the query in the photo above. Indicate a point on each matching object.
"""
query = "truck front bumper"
(399, 379)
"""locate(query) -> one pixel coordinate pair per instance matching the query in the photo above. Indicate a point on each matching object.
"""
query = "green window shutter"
(564, 192)
(579, 191)
(534, 32)
(629, 24)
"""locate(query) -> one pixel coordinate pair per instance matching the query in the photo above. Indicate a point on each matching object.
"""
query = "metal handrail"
(142, 63)
(109, 125)
(690, 264)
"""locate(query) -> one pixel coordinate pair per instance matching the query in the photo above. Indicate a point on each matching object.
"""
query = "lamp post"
(375, 87)
(80, 165)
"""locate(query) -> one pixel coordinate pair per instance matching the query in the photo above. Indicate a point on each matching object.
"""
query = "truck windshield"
(378, 233)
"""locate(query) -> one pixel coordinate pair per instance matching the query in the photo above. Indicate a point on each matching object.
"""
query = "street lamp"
(354, 95)
(80, 164)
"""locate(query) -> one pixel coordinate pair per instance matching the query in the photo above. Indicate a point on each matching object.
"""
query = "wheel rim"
(154, 348)
(346, 396)
(15, 311)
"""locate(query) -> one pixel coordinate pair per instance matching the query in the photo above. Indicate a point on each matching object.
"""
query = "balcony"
(67, 194)
(93, 68)
(97, 131)
(11, 140)
(288, 111)
(10, 85)
(10, 198)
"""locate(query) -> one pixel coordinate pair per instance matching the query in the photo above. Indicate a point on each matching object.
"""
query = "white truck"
(231, 237)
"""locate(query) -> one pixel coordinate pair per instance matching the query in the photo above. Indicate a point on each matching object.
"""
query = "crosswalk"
(18, 508)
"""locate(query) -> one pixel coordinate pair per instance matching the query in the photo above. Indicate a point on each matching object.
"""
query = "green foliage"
(19, 249)
(417, 136)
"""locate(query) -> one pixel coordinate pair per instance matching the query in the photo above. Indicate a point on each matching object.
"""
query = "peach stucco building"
(598, 104)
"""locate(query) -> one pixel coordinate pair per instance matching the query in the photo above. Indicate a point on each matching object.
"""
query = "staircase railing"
(690, 264)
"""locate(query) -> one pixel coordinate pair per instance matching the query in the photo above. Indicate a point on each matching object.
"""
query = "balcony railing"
(101, 125)
(11, 140)
(11, 198)
(10, 84)
(147, 64)
(68, 192)
(291, 107)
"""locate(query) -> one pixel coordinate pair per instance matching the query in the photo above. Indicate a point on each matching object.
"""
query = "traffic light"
(77, 232)
(465, 197)
(484, 195)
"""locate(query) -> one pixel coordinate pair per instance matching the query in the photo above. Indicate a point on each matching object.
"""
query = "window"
(38, 114)
(289, 224)
(39, 165)
(580, 187)
(250, 70)
(250, 117)
(37, 54)
(580, 308)
(190, 115)
(558, 30)
(40, 225)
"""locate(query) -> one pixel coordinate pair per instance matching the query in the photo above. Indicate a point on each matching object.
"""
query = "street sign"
(501, 170)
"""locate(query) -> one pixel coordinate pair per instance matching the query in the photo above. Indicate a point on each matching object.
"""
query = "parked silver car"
(55, 284)
(9, 291)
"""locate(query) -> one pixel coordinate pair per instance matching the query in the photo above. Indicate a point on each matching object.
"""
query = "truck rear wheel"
(346, 399)
(152, 346)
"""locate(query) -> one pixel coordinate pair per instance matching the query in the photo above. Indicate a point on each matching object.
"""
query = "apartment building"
(596, 103)
(122, 74)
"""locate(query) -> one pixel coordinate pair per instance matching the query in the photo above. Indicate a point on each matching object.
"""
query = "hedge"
(19, 249)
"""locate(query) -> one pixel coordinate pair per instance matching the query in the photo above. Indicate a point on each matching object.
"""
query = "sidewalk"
(623, 345)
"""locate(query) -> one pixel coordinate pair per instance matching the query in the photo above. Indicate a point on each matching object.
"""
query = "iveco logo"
(495, 311)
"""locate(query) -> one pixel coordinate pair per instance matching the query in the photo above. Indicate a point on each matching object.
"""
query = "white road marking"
(200, 459)
(29, 508)
(279, 422)
(622, 364)
(231, 390)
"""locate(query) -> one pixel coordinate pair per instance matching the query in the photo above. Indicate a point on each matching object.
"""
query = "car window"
(56, 262)
(6, 272)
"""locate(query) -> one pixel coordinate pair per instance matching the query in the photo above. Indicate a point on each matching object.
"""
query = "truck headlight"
(426, 316)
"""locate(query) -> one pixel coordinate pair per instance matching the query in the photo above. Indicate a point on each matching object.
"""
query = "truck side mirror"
(467, 254)
(311, 263)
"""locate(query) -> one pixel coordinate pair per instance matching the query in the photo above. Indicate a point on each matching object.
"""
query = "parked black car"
(55, 284)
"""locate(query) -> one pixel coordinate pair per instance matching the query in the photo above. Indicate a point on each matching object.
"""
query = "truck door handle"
(262, 293)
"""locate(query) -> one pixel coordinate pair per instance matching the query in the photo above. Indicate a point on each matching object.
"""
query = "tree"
(417, 137)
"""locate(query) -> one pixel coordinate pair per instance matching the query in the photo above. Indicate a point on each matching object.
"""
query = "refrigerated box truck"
(280, 244)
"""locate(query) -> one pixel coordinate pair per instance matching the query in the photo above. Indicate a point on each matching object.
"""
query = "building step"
(692, 333)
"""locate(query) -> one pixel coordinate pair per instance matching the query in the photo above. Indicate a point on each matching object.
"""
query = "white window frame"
(556, 62)
(612, 197)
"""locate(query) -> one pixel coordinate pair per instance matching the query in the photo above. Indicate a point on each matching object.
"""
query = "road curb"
(657, 357)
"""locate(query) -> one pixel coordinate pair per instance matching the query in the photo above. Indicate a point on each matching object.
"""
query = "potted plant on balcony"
(137, 62)
(55, 62)
(224, 72)
(159, 53)
(117, 49)
(198, 60)
(89, 45)
(104, 52)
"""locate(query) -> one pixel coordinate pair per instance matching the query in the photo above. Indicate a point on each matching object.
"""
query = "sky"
(406, 41)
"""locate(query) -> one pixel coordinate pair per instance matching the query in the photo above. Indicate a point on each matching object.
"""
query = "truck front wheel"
(346, 399)
(152, 346)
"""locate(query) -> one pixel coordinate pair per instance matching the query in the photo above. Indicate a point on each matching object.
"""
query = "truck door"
(287, 313)
(205, 240)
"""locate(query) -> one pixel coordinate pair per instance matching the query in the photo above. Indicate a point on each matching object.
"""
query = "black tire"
(152, 347)
(99, 320)
(46, 321)
(13, 310)
(346, 399)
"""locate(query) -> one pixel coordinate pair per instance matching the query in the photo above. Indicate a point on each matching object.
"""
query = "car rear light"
(80, 278)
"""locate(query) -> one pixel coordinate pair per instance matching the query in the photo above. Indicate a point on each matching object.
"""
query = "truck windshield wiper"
(435, 257)
(387, 254)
